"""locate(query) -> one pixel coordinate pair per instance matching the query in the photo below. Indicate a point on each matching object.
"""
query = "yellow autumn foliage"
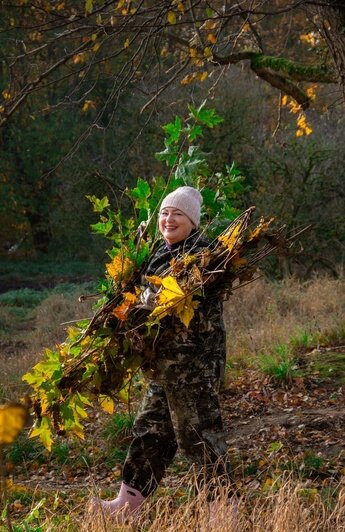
(120, 268)
(172, 300)
(257, 232)
(12, 420)
(121, 311)
(230, 238)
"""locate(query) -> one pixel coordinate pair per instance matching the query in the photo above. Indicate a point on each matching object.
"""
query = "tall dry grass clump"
(263, 314)
(284, 509)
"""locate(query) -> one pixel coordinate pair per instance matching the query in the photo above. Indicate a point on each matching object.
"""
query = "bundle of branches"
(100, 357)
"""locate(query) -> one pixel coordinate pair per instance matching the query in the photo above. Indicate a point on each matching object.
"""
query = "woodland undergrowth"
(260, 319)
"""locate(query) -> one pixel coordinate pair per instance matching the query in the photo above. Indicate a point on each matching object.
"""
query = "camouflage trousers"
(180, 409)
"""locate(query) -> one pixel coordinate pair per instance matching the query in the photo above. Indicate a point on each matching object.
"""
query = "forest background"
(84, 93)
(85, 89)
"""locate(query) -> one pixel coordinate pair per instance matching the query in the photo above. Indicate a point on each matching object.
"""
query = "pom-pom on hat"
(186, 199)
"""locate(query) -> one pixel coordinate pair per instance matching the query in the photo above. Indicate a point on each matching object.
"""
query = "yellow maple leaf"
(120, 268)
(230, 238)
(211, 38)
(171, 290)
(169, 296)
(106, 403)
(173, 300)
(186, 310)
(12, 420)
(263, 225)
(44, 432)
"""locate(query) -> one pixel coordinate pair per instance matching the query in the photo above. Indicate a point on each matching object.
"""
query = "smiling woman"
(181, 405)
(174, 225)
(180, 214)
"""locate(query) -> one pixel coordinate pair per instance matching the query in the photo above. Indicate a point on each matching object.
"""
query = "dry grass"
(264, 314)
(21, 349)
(287, 509)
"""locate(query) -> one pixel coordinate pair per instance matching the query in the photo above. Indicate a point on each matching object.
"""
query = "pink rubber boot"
(127, 504)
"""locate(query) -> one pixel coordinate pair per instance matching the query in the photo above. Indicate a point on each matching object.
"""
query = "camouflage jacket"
(204, 339)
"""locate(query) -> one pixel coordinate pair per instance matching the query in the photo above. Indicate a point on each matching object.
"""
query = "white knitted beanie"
(186, 199)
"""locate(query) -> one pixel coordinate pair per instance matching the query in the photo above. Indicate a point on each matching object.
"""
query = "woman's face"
(174, 225)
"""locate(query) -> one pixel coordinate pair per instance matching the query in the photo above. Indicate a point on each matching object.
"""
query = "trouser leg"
(154, 444)
(197, 422)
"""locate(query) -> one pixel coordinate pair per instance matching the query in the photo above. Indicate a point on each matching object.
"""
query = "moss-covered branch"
(292, 70)
(281, 73)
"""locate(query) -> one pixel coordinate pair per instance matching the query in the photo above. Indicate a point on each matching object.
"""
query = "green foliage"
(25, 297)
(24, 449)
(29, 522)
(119, 426)
(117, 432)
(280, 364)
(303, 339)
